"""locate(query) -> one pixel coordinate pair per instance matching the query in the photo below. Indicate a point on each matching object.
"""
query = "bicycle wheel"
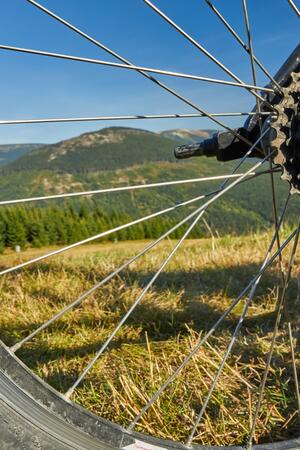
(210, 366)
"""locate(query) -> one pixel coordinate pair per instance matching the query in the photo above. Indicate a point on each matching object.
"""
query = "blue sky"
(38, 87)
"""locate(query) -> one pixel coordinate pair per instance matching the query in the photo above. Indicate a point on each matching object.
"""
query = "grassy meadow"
(194, 289)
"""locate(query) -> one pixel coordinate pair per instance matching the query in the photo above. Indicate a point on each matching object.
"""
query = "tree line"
(65, 224)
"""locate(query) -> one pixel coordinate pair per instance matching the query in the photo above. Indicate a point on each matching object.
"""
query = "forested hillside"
(107, 149)
(115, 157)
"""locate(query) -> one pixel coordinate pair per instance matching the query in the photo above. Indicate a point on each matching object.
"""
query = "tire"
(35, 416)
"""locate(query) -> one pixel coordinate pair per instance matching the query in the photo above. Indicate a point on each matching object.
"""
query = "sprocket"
(284, 135)
(283, 120)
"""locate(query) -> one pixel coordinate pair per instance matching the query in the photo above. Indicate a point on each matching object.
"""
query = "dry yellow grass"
(191, 293)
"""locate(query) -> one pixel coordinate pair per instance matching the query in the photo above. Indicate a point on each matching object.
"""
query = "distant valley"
(10, 152)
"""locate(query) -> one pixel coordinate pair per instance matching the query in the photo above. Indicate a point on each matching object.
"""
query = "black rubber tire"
(35, 416)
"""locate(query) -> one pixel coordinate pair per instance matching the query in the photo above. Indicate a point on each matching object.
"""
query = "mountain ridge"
(121, 156)
(41, 156)
(189, 136)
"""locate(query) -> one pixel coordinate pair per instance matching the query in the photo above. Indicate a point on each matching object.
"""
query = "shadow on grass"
(160, 321)
(162, 318)
(165, 321)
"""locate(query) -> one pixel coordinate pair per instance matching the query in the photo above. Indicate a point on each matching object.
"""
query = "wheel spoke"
(142, 219)
(275, 217)
(258, 107)
(200, 212)
(274, 336)
(293, 5)
(132, 67)
(127, 117)
(248, 153)
(125, 188)
(202, 341)
(202, 49)
(102, 234)
(250, 45)
(145, 74)
(80, 299)
(133, 306)
(126, 264)
(194, 214)
(241, 42)
(294, 365)
(237, 329)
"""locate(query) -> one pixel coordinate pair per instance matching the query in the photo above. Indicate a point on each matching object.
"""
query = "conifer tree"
(15, 233)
